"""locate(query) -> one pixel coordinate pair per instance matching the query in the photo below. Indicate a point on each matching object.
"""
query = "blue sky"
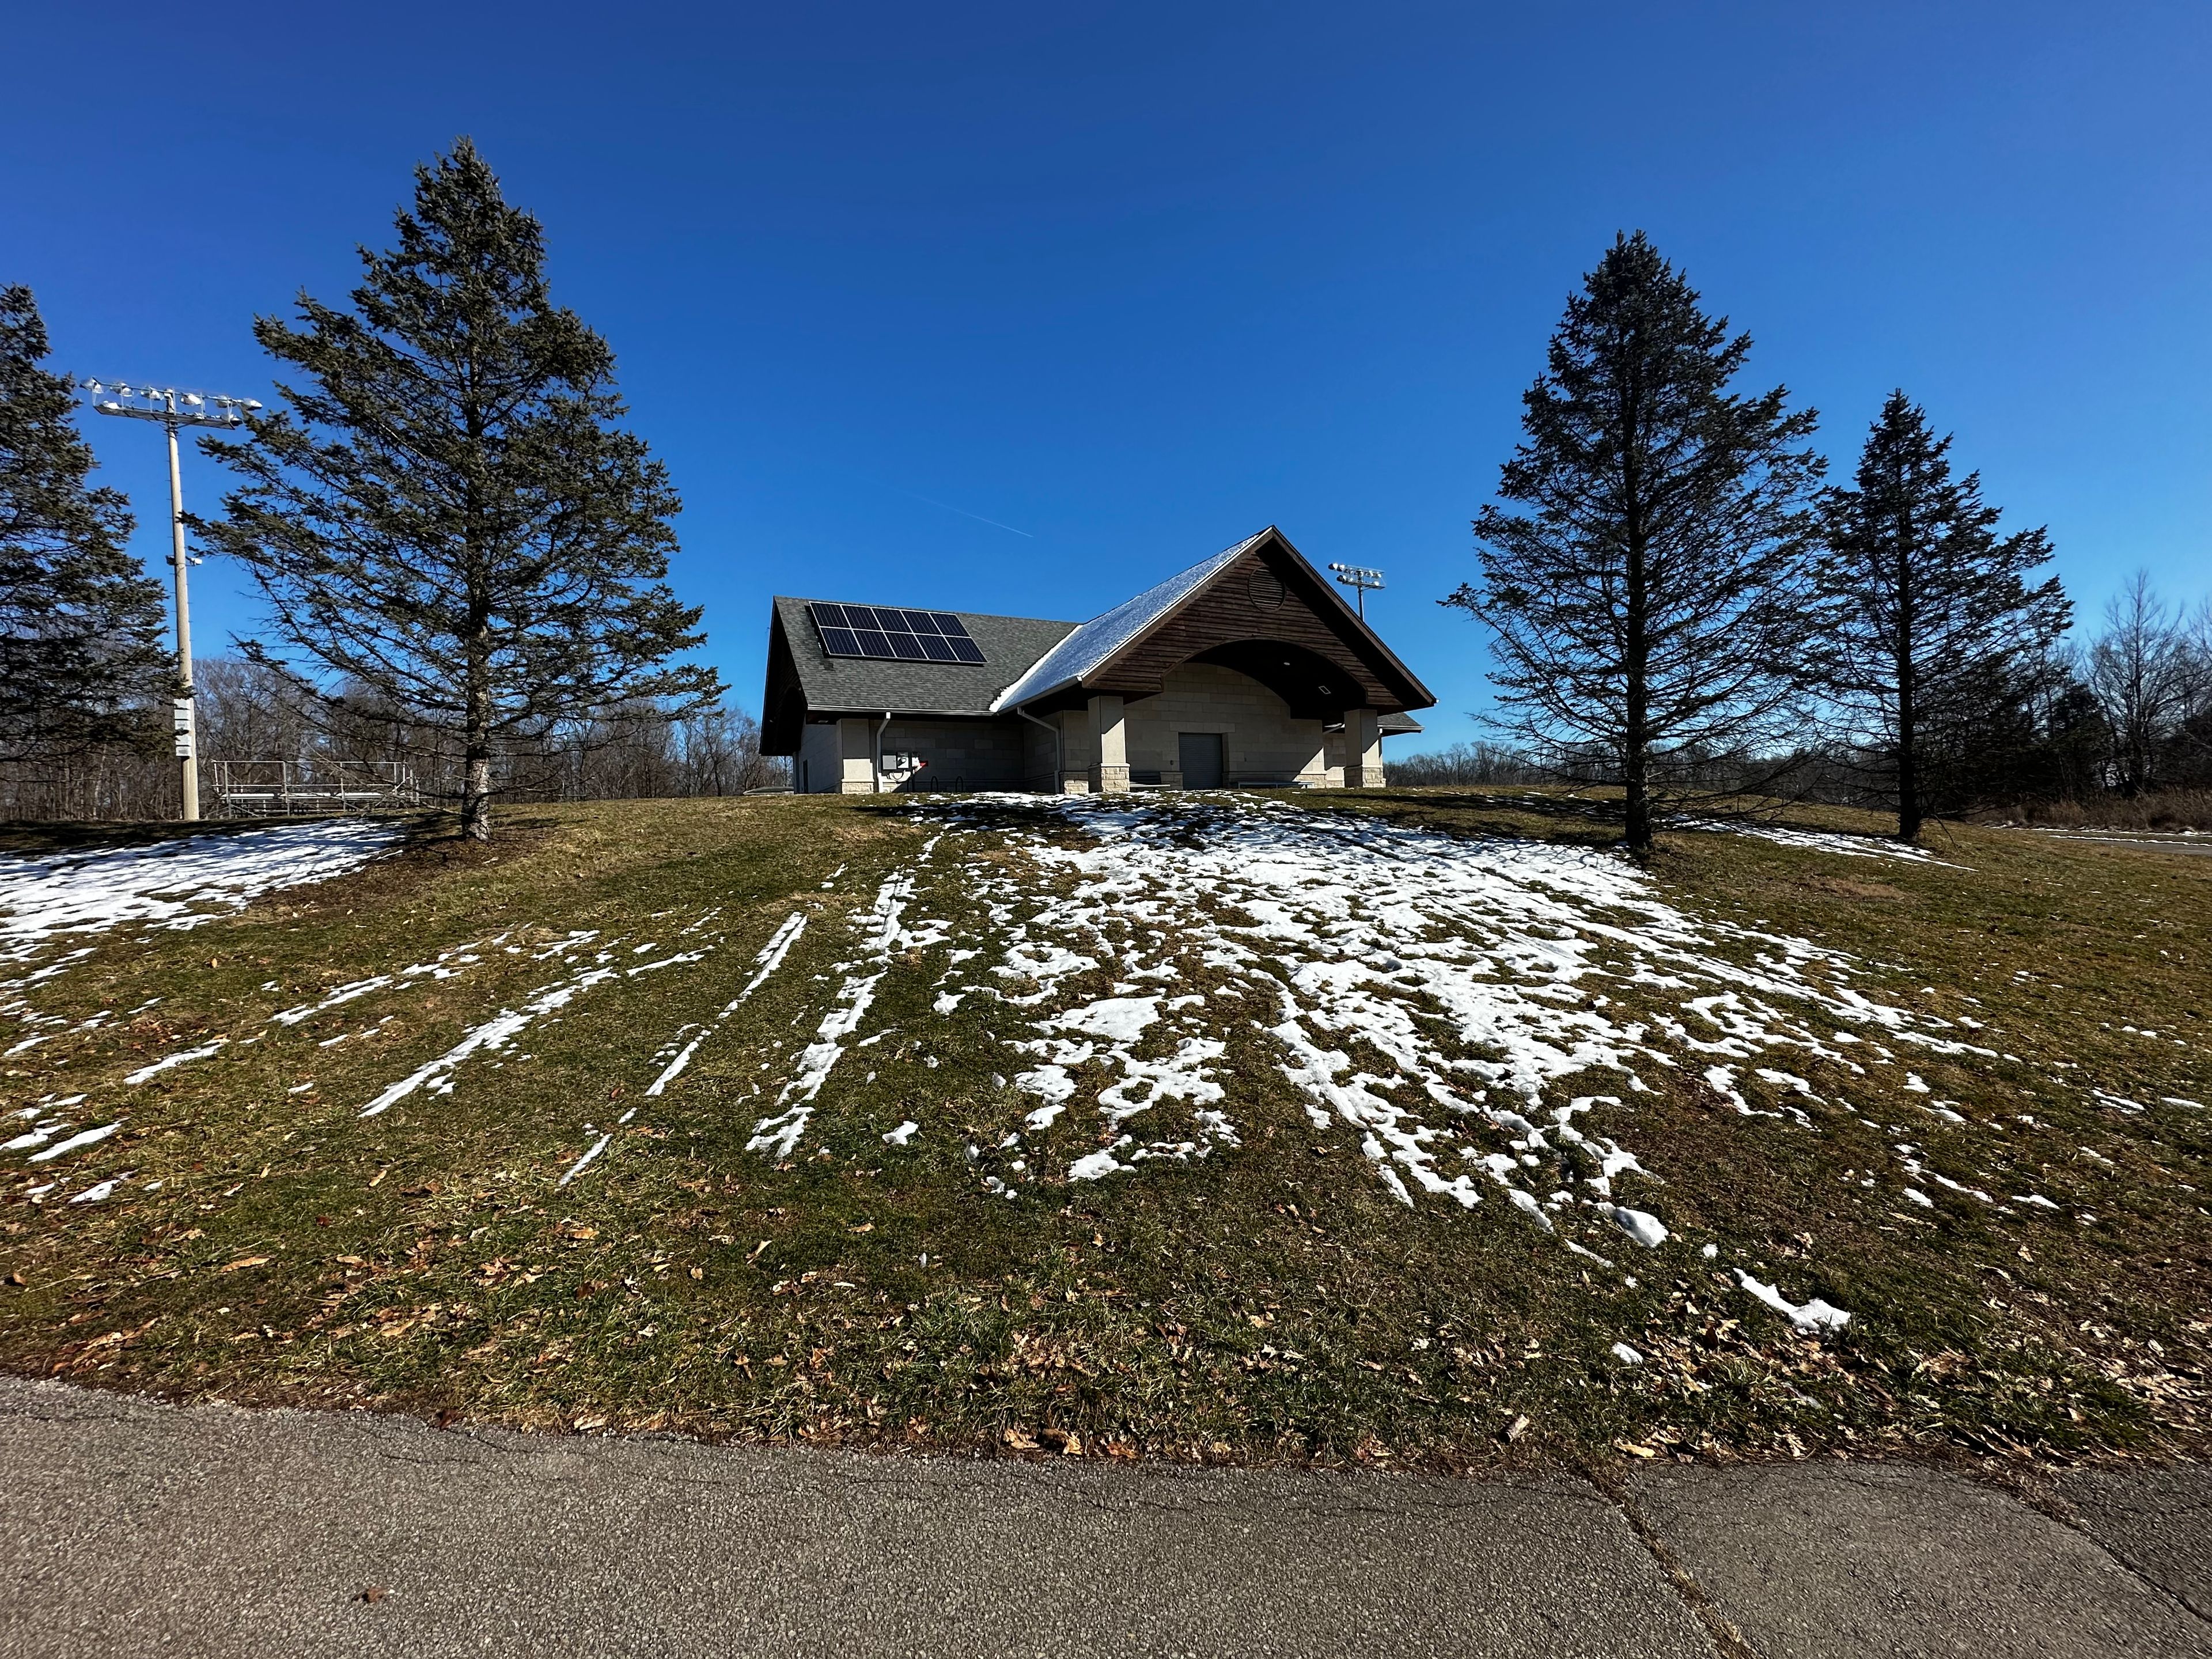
(1132, 281)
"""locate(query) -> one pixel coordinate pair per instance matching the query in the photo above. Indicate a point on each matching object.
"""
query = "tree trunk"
(1635, 656)
(1908, 692)
(476, 780)
(1636, 746)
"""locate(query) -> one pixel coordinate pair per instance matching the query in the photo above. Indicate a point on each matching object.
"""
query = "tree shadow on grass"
(1502, 814)
(1575, 820)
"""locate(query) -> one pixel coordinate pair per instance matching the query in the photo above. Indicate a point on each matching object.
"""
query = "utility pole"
(1359, 579)
(174, 409)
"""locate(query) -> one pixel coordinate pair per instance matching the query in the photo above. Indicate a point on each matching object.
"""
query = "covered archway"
(1215, 724)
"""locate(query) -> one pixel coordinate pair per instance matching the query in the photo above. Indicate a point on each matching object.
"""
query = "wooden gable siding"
(1228, 611)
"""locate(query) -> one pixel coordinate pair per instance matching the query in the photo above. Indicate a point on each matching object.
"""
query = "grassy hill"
(1409, 1126)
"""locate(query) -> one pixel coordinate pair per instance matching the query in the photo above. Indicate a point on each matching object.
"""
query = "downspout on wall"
(876, 755)
(1058, 752)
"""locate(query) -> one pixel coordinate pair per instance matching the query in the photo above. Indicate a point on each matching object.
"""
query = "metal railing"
(280, 789)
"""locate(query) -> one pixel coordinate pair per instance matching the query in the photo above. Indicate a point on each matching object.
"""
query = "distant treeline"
(251, 714)
(2118, 729)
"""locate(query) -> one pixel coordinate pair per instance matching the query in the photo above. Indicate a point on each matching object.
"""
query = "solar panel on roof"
(884, 632)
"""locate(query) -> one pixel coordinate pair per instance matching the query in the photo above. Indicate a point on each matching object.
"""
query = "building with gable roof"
(1248, 670)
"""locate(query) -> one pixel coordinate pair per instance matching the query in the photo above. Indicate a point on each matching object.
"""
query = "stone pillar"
(1363, 750)
(1109, 747)
(856, 751)
(1075, 750)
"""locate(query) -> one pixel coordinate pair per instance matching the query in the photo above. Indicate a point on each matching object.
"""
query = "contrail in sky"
(962, 511)
(900, 490)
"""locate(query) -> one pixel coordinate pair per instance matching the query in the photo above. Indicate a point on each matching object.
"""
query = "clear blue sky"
(1135, 280)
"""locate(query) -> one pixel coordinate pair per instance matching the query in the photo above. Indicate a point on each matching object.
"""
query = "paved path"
(131, 1529)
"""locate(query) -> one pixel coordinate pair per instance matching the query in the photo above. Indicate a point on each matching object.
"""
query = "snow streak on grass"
(1436, 996)
(174, 883)
(495, 1034)
(1820, 841)
(883, 935)
(54, 899)
(770, 959)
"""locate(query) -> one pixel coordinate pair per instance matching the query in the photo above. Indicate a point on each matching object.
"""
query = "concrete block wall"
(1260, 741)
(820, 768)
(962, 754)
(1260, 744)
(839, 756)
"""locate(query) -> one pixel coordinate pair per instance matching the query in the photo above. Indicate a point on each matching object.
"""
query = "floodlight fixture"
(1361, 580)
(175, 410)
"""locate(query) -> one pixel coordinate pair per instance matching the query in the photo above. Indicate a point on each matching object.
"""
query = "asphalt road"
(128, 1528)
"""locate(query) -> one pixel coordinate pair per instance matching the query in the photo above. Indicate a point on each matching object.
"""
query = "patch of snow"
(84, 1137)
(178, 883)
(491, 1036)
(769, 959)
(903, 1134)
(584, 1162)
(1812, 1316)
(144, 1072)
(1084, 648)
(1645, 1230)
(447, 964)
(1819, 841)
(1415, 975)
(778, 1134)
(1118, 1019)
(1100, 1163)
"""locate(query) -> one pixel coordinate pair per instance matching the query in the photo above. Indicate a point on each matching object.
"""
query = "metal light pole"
(174, 409)
(1359, 579)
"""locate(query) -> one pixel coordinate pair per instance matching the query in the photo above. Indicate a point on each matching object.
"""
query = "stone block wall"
(1260, 741)
(840, 757)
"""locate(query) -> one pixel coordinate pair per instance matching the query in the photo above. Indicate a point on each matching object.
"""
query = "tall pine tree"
(447, 523)
(1924, 607)
(1645, 588)
(80, 620)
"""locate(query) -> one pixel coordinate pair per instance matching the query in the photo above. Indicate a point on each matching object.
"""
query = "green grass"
(1271, 1302)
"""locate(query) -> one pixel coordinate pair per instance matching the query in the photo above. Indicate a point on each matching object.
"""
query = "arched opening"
(1215, 724)
(1311, 687)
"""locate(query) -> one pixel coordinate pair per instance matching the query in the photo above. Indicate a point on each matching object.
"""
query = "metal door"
(1200, 754)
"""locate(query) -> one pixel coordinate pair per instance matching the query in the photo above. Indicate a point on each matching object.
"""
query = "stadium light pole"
(1360, 580)
(174, 409)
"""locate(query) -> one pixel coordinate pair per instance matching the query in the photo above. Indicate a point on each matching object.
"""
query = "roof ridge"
(1095, 640)
(948, 609)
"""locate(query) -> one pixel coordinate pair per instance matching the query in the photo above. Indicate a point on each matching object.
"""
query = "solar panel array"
(879, 631)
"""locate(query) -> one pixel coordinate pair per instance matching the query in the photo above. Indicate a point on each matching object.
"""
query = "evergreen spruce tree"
(1924, 607)
(80, 620)
(446, 521)
(1646, 598)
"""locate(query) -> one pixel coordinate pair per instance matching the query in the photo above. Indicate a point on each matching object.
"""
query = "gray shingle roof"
(855, 686)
